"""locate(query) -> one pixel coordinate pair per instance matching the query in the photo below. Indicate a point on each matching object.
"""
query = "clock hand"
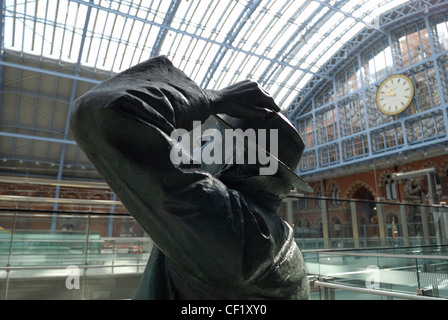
(391, 93)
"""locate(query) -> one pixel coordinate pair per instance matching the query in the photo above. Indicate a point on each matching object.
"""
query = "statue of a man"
(413, 191)
(414, 195)
(216, 232)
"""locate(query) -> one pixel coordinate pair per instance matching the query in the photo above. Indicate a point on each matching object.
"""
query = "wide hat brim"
(279, 122)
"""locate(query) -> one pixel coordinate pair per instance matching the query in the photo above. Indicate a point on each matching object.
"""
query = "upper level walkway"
(78, 262)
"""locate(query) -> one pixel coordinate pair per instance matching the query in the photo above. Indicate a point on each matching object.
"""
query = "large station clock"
(395, 94)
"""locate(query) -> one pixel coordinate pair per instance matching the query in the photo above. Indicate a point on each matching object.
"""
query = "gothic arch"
(441, 175)
(333, 191)
(319, 227)
(444, 164)
(393, 224)
(392, 215)
(364, 225)
(431, 164)
(387, 186)
(329, 186)
(404, 169)
(336, 229)
(383, 177)
(351, 190)
(444, 172)
(407, 169)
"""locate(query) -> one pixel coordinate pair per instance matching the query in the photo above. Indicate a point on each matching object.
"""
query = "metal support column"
(231, 36)
(67, 121)
(171, 12)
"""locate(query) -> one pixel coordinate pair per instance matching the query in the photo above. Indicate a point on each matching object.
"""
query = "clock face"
(395, 94)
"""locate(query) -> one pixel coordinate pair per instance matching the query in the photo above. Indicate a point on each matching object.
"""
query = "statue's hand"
(245, 99)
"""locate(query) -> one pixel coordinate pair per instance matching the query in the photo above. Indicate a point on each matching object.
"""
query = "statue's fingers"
(269, 103)
(238, 111)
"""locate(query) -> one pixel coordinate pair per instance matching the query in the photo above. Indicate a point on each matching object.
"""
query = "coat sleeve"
(123, 126)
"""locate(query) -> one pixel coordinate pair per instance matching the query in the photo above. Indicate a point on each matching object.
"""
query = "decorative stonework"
(444, 164)
(351, 190)
(430, 164)
(330, 185)
(383, 177)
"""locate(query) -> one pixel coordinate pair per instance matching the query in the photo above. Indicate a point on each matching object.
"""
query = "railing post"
(443, 222)
(354, 217)
(329, 293)
(325, 232)
(289, 215)
(11, 245)
(86, 252)
(381, 229)
(404, 225)
(439, 225)
(424, 225)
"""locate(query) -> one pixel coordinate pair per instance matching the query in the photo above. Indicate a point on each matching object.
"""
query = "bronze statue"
(414, 195)
(217, 233)
(413, 191)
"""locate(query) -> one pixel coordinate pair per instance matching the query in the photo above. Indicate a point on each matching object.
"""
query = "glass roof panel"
(279, 43)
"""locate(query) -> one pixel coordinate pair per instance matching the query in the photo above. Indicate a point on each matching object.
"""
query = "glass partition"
(335, 223)
(91, 255)
(78, 260)
(412, 272)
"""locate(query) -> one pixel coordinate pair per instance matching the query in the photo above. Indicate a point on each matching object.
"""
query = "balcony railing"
(90, 255)
(384, 273)
(32, 254)
(322, 223)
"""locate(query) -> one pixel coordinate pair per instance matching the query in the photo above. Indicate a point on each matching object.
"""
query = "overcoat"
(214, 239)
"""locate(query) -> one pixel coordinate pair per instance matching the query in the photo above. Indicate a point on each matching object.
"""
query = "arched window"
(445, 182)
(303, 203)
(390, 188)
(392, 225)
(440, 179)
(336, 231)
(298, 232)
(335, 194)
(307, 228)
(319, 228)
(319, 195)
(364, 227)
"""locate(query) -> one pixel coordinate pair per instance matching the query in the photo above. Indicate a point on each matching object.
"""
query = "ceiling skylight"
(281, 44)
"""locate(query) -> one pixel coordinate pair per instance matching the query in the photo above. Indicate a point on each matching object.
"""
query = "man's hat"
(289, 149)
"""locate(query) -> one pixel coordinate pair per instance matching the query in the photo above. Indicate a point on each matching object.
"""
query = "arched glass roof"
(51, 52)
(280, 44)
